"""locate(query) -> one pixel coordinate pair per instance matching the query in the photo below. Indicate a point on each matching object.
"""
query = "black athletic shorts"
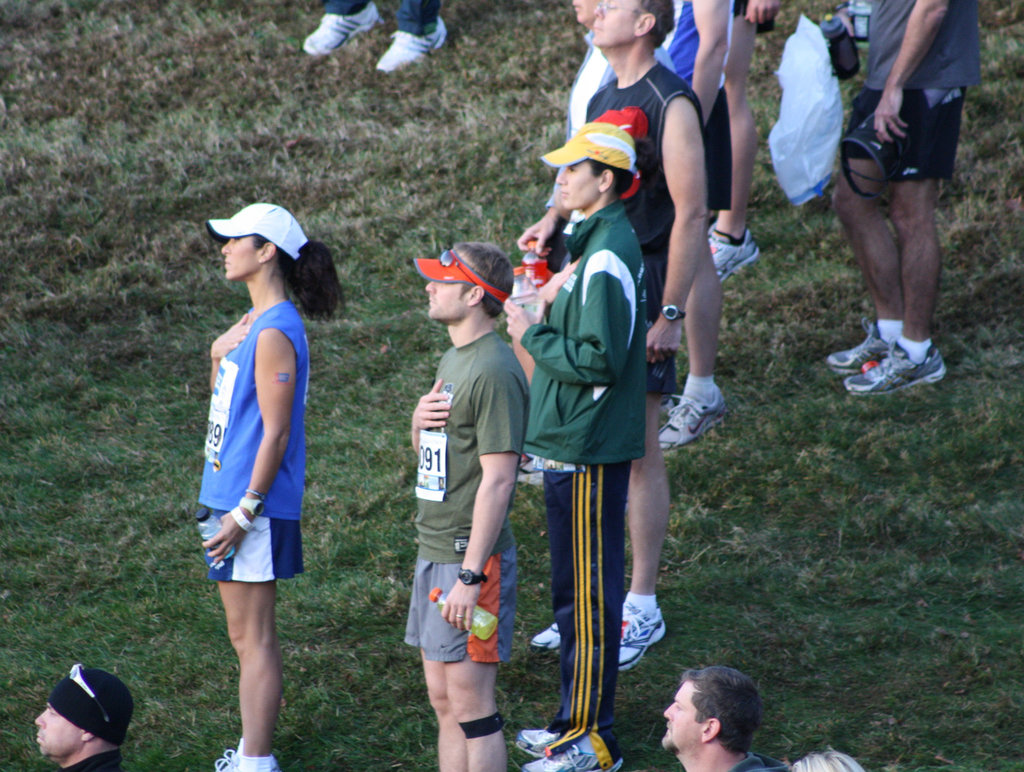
(718, 154)
(933, 129)
(661, 376)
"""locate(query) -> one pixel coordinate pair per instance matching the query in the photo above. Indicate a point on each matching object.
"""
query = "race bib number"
(220, 409)
(431, 477)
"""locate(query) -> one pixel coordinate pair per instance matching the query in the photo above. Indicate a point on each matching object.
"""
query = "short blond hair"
(827, 761)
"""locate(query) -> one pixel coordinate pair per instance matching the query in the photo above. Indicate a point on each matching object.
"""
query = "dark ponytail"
(313, 280)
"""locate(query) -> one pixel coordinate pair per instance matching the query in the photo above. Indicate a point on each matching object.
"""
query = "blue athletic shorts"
(426, 629)
(271, 550)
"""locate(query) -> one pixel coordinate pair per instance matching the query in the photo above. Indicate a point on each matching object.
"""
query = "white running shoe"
(336, 29)
(407, 48)
(639, 631)
(535, 741)
(547, 639)
(730, 257)
(228, 762)
(689, 419)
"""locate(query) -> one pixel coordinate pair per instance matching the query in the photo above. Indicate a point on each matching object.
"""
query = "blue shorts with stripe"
(271, 550)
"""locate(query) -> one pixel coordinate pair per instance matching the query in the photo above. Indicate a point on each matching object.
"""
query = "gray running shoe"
(730, 257)
(896, 372)
(336, 29)
(850, 361)
(573, 760)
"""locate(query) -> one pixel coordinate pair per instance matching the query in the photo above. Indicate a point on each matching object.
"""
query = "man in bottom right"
(711, 722)
(923, 55)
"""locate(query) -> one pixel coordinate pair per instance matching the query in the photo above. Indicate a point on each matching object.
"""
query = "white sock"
(701, 388)
(916, 350)
(889, 329)
(257, 764)
(646, 603)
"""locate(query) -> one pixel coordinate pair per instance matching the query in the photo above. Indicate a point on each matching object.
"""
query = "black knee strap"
(482, 727)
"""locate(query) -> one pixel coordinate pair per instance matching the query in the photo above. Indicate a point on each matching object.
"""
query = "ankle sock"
(889, 329)
(257, 764)
(646, 603)
(701, 388)
(916, 350)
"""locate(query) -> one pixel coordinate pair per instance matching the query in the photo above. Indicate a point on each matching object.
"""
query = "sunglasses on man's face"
(448, 258)
(78, 676)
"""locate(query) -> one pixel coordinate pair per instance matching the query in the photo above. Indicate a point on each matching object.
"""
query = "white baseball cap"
(274, 223)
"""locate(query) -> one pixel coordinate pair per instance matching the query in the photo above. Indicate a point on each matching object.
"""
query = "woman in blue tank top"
(255, 449)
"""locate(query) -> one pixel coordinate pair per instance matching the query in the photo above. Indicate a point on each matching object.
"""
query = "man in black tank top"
(669, 214)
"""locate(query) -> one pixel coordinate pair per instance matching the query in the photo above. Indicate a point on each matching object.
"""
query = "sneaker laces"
(687, 409)
(226, 762)
(634, 622)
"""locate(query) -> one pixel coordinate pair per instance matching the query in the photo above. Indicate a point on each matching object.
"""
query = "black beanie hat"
(74, 703)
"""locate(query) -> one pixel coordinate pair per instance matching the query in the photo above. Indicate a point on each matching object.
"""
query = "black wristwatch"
(672, 312)
(468, 577)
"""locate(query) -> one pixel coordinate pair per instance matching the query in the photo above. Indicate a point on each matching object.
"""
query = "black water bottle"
(841, 48)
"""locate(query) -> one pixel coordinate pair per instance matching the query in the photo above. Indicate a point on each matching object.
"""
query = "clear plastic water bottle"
(860, 17)
(484, 622)
(209, 526)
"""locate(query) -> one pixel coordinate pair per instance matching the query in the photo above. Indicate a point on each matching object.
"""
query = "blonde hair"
(827, 761)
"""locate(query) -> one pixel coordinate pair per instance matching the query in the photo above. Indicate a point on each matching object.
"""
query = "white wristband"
(243, 522)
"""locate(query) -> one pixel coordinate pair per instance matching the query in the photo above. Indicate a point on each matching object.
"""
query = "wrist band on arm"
(243, 522)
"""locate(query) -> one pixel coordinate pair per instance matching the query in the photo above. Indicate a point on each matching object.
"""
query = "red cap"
(449, 268)
(435, 594)
(633, 121)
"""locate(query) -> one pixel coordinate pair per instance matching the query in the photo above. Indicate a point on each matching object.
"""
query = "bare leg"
(703, 317)
(874, 248)
(648, 505)
(741, 127)
(252, 627)
(460, 692)
(912, 210)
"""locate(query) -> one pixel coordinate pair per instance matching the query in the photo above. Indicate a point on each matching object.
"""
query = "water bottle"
(841, 48)
(484, 622)
(860, 17)
(209, 526)
(524, 291)
(536, 268)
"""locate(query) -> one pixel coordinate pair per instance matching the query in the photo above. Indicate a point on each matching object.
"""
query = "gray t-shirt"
(954, 60)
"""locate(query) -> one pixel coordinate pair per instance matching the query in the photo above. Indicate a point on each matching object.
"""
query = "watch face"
(466, 576)
(670, 312)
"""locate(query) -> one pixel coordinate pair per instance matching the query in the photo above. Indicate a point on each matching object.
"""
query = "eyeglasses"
(448, 259)
(78, 677)
(604, 7)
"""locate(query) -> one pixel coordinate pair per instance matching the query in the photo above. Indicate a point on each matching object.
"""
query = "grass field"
(862, 558)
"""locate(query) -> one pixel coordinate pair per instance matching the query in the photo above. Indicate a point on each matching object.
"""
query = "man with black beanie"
(85, 721)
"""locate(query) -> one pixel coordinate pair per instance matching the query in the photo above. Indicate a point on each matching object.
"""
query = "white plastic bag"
(804, 140)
